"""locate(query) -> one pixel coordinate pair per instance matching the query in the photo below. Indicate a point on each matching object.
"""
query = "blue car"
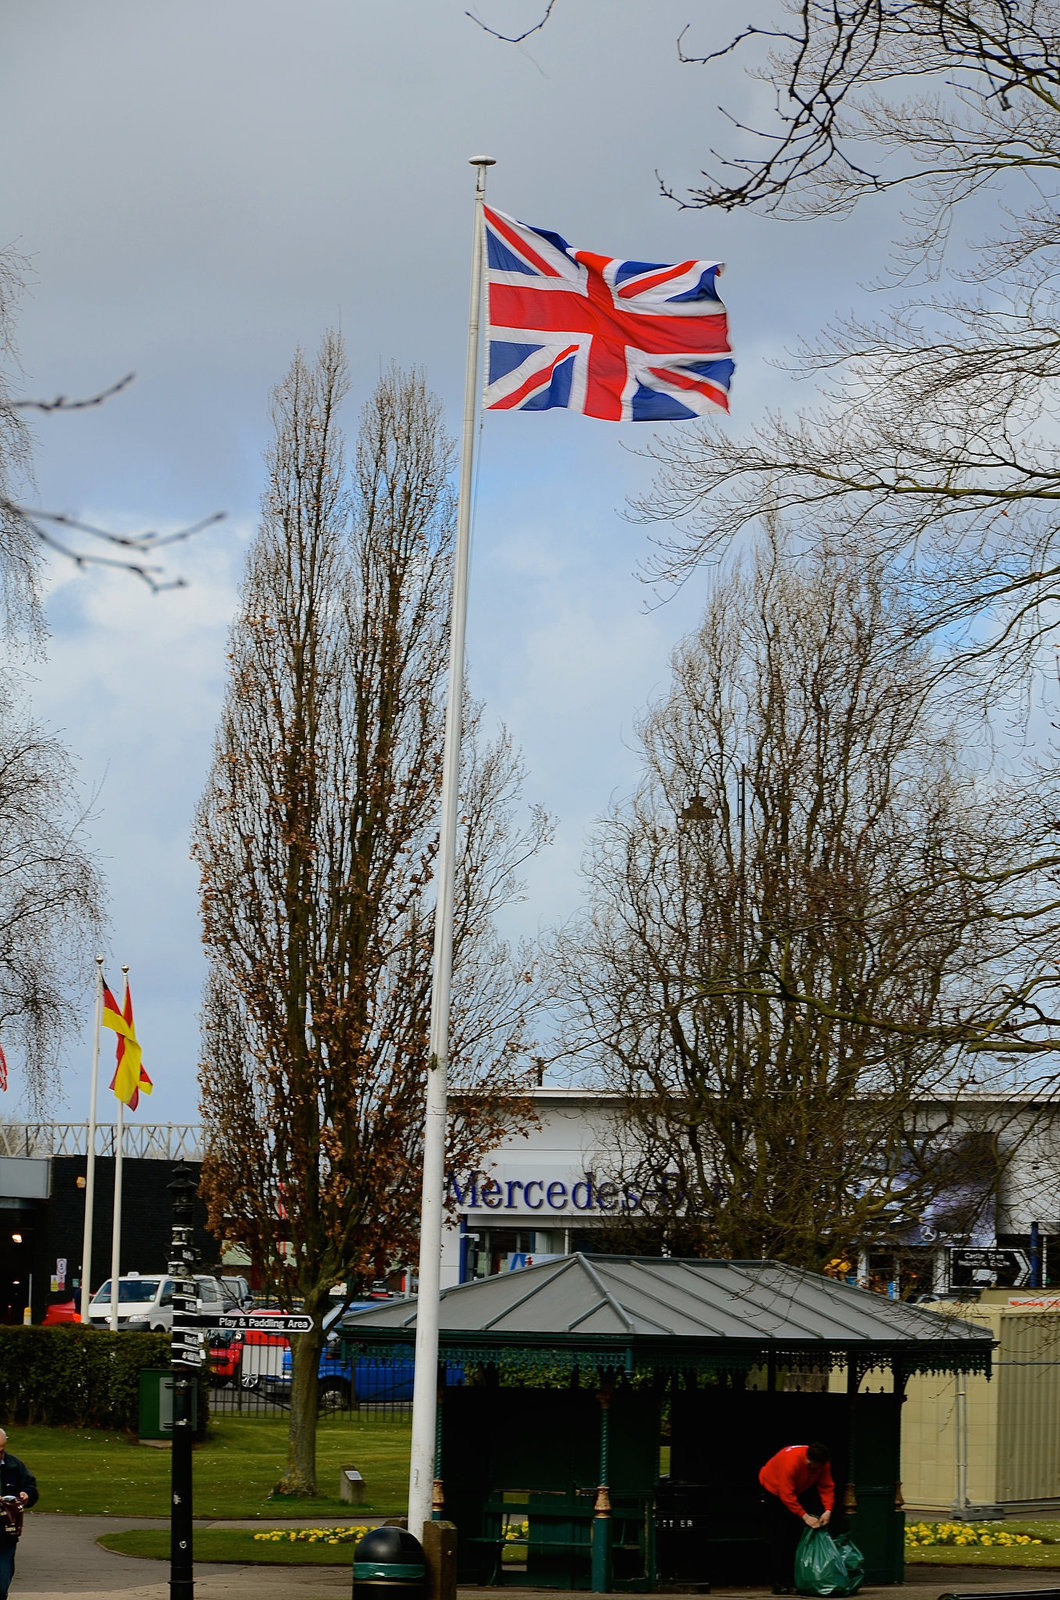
(343, 1383)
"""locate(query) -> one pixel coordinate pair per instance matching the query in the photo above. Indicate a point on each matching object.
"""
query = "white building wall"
(536, 1184)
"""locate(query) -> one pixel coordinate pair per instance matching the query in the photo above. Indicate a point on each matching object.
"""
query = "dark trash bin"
(682, 1526)
(388, 1564)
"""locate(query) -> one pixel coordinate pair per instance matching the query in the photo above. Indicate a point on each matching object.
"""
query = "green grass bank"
(90, 1472)
(229, 1544)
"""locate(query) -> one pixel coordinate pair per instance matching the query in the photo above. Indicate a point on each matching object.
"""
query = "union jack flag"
(629, 341)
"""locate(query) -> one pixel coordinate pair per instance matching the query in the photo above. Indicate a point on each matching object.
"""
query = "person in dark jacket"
(799, 1492)
(15, 1479)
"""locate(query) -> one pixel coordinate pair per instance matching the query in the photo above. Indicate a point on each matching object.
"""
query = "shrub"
(78, 1377)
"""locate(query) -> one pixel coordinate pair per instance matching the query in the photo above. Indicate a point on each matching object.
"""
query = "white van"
(145, 1303)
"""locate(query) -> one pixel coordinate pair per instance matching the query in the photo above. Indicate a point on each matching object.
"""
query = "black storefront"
(42, 1219)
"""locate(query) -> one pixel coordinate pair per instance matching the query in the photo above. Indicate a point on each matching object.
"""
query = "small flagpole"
(115, 1236)
(90, 1153)
(425, 1387)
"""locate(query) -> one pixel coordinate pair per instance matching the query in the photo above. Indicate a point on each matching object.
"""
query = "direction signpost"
(280, 1323)
(1003, 1265)
(186, 1362)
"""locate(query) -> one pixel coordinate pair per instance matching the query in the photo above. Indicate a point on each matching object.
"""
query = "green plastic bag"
(828, 1566)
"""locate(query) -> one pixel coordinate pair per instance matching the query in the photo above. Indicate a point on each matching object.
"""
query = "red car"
(226, 1350)
(61, 1311)
(226, 1354)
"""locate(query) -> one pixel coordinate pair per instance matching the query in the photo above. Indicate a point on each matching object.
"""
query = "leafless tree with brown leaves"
(806, 925)
(316, 840)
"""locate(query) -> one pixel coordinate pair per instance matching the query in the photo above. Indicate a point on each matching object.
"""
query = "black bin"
(682, 1528)
(388, 1564)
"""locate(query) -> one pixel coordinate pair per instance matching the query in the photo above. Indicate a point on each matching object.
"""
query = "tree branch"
(61, 403)
(513, 38)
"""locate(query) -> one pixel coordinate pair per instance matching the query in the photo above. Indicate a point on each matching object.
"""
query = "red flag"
(130, 1075)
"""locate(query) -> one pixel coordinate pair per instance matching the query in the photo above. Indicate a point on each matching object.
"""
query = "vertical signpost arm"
(185, 1356)
(421, 1472)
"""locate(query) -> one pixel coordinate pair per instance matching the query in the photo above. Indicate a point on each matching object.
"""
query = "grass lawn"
(230, 1544)
(223, 1544)
(1032, 1555)
(88, 1472)
(1026, 1555)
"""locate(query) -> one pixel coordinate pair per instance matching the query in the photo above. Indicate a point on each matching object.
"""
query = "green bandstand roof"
(636, 1313)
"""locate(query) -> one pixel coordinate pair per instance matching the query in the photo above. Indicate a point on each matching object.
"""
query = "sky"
(200, 189)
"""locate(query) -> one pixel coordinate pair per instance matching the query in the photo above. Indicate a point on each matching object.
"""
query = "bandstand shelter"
(614, 1412)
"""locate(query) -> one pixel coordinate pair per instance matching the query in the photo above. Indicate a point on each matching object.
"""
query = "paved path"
(922, 1583)
(59, 1559)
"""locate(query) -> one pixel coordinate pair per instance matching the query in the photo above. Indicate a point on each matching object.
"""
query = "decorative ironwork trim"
(514, 1353)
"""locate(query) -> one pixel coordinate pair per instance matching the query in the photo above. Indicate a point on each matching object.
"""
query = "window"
(131, 1291)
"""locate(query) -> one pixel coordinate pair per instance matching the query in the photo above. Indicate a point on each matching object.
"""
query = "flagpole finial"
(99, 961)
(125, 969)
(482, 161)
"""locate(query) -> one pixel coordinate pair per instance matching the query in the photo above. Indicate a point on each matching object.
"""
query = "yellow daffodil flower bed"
(994, 1544)
(926, 1535)
(513, 1552)
(312, 1535)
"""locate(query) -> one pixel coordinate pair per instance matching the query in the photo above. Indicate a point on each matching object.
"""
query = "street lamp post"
(185, 1360)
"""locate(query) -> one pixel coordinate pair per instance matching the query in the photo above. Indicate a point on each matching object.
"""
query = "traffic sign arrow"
(1006, 1264)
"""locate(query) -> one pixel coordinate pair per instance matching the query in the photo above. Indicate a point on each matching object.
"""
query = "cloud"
(208, 186)
(133, 681)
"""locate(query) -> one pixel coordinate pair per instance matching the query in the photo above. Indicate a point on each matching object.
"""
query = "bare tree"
(805, 925)
(938, 96)
(51, 897)
(20, 552)
(316, 840)
(51, 894)
(934, 436)
(28, 530)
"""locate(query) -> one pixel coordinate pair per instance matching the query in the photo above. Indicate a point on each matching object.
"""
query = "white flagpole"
(115, 1236)
(424, 1398)
(90, 1152)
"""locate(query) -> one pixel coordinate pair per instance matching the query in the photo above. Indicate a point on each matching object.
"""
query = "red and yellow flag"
(130, 1075)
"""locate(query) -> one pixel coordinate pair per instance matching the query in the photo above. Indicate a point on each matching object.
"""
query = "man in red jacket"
(794, 1476)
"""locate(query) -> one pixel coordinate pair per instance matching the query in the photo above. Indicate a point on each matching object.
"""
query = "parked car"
(266, 1365)
(340, 1382)
(145, 1303)
(61, 1311)
(343, 1383)
(211, 1296)
(261, 1353)
(224, 1353)
(237, 1293)
(335, 1379)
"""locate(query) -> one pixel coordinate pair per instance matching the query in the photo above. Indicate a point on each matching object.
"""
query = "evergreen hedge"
(80, 1377)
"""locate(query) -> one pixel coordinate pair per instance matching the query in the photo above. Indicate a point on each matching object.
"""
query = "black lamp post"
(186, 1358)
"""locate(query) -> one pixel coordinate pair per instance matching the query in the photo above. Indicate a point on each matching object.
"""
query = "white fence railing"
(158, 1141)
